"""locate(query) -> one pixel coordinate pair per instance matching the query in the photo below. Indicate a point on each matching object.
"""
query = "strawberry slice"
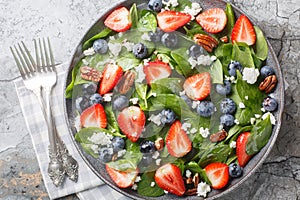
(111, 75)
(168, 177)
(132, 121)
(177, 141)
(93, 116)
(241, 153)
(243, 31)
(197, 87)
(169, 20)
(212, 20)
(156, 70)
(122, 179)
(119, 20)
(218, 174)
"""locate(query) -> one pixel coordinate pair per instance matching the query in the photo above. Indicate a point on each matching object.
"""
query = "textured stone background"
(66, 21)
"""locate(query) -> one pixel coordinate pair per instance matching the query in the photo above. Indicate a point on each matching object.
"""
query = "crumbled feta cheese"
(192, 62)
(242, 105)
(194, 10)
(89, 52)
(204, 132)
(170, 3)
(193, 130)
(188, 173)
(137, 179)
(213, 58)
(230, 78)
(205, 60)
(246, 97)
(185, 126)
(115, 48)
(107, 97)
(146, 37)
(272, 117)
(140, 74)
(236, 121)
(182, 93)
(112, 38)
(221, 127)
(121, 153)
(250, 75)
(195, 104)
(155, 119)
(128, 45)
(166, 192)
(95, 148)
(85, 62)
(232, 144)
(100, 138)
(158, 161)
(152, 184)
(134, 100)
(134, 187)
(252, 120)
(263, 110)
(155, 155)
(153, 94)
(146, 61)
(202, 189)
(257, 116)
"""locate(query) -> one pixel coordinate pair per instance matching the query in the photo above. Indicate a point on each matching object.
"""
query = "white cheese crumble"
(137, 179)
(202, 189)
(230, 78)
(158, 161)
(134, 100)
(85, 62)
(232, 144)
(194, 10)
(134, 187)
(107, 97)
(257, 116)
(204, 132)
(128, 45)
(95, 148)
(155, 155)
(89, 52)
(205, 60)
(263, 110)
(115, 48)
(152, 184)
(236, 121)
(272, 117)
(195, 104)
(146, 37)
(246, 97)
(242, 105)
(188, 173)
(121, 153)
(252, 120)
(155, 119)
(193, 130)
(170, 3)
(166, 192)
(100, 138)
(185, 126)
(250, 75)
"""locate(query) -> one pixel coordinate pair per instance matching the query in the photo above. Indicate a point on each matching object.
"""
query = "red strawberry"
(122, 179)
(168, 177)
(243, 31)
(177, 141)
(197, 87)
(132, 121)
(118, 20)
(241, 153)
(212, 20)
(218, 174)
(111, 75)
(156, 70)
(169, 20)
(93, 116)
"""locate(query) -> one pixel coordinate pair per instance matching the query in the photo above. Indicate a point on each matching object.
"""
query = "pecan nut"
(268, 84)
(206, 41)
(126, 82)
(224, 39)
(90, 74)
(191, 192)
(159, 144)
(219, 136)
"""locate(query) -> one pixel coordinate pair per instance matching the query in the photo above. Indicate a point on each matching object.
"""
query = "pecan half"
(191, 192)
(206, 41)
(219, 136)
(126, 82)
(159, 144)
(90, 74)
(224, 39)
(196, 180)
(268, 84)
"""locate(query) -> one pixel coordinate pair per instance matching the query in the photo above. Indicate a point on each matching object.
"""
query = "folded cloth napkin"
(88, 186)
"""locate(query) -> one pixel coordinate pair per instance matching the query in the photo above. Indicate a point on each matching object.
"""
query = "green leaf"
(125, 164)
(181, 58)
(89, 150)
(234, 132)
(242, 54)
(260, 46)
(134, 18)
(218, 153)
(144, 188)
(181, 5)
(84, 134)
(195, 168)
(259, 137)
(104, 33)
(167, 86)
(112, 121)
(141, 90)
(193, 28)
(128, 61)
(147, 21)
(230, 18)
(216, 72)
(69, 89)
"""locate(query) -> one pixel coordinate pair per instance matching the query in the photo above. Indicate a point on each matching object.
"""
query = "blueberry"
(227, 106)
(147, 147)
(167, 116)
(156, 36)
(233, 66)
(227, 120)
(89, 88)
(170, 40)
(266, 71)
(100, 46)
(195, 51)
(270, 104)
(82, 103)
(235, 170)
(224, 89)
(187, 100)
(206, 108)
(140, 50)
(118, 144)
(155, 5)
(120, 103)
(105, 154)
(96, 98)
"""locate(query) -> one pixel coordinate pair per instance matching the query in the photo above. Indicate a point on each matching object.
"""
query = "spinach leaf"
(230, 18)
(259, 137)
(141, 90)
(167, 86)
(218, 153)
(242, 54)
(69, 89)
(260, 46)
(147, 21)
(181, 58)
(104, 33)
(89, 150)
(128, 61)
(195, 168)
(193, 28)
(216, 72)
(134, 18)
(181, 5)
(234, 132)
(84, 134)
(112, 121)
(152, 129)
(144, 186)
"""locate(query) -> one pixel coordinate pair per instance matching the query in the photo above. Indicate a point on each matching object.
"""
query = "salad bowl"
(97, 166)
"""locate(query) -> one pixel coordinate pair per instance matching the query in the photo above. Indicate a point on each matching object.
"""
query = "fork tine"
(46, 54)
(23, 64)
(41, 53)
(32, 63)
(18, 63)
(37, 57)
(51, 54)
(27, 63)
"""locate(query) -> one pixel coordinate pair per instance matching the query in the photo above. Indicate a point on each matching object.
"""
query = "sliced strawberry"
(241, 153)
(197, 87)
(122, 179)
(132, 121)
(93, 116)
(243, 31)
(212, 20)
(168, 177)
(177, 141)
(218, 174)
(156, 70)
(111, 75)
(169, 20)
(119, 20)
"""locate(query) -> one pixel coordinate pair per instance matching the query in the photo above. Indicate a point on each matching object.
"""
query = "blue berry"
(227, 120)
(120, 103)
(147, 147)
(96, 98)
(167, 116)
(235, 170)
(118, 144)
(156, 36)
(100, 46)
(140, 50)
(89, 88)
(270, 104)
(233, 66)
(227, 106)
(155, 5)
(106, 154)
(195, 51)
(206, 108)
(224, 89)
(82, 103)
(266, 71)
(170, 40)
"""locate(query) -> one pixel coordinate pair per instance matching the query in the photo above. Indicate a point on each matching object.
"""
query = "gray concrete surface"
(66, 21)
